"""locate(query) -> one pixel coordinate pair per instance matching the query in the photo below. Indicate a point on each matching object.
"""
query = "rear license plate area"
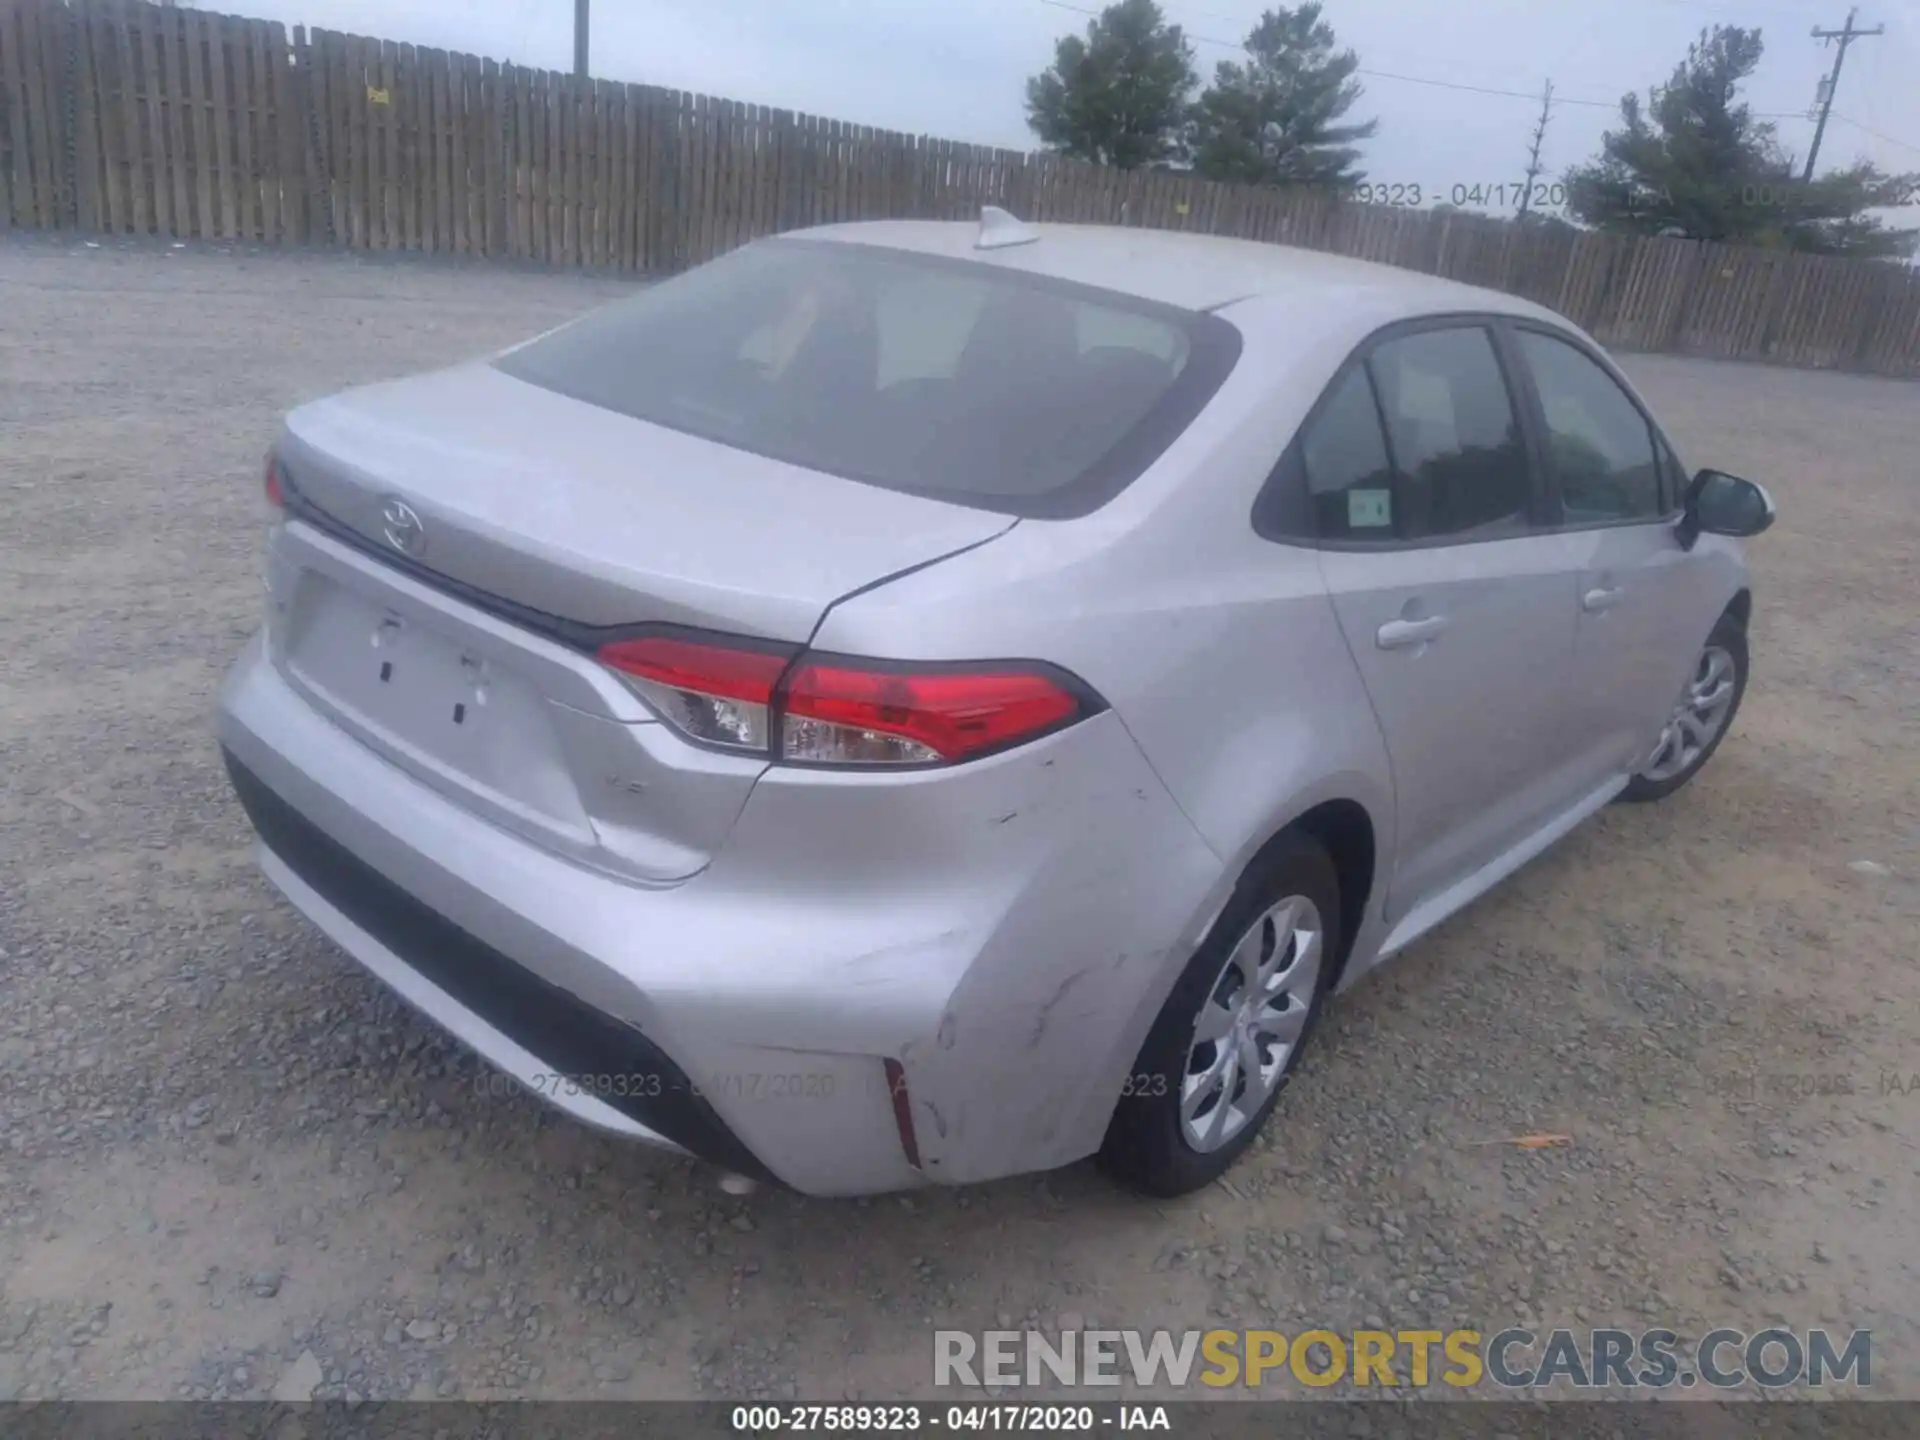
(416, 692)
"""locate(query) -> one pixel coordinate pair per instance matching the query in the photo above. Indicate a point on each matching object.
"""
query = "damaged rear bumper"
(1002, 935)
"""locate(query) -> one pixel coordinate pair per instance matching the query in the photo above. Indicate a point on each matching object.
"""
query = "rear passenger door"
(1615, 494)
(1458, 609)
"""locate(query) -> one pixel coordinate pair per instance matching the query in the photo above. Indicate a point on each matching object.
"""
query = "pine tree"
(1275, 119)
(1119, 96)
(1693, 161)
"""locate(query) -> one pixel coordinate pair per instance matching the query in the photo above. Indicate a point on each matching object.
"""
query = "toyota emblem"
(402, 527)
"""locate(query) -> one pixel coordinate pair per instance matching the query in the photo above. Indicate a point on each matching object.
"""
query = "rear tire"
(1256, 985)
(1688, 741)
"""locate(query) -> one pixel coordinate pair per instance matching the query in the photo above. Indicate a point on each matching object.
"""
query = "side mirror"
(1721, 504)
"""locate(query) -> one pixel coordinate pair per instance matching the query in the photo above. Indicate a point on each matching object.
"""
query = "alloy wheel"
(1252, 1021)
(1698, 717)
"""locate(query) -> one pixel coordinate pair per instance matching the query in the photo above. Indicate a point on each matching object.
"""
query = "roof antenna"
(999, 229)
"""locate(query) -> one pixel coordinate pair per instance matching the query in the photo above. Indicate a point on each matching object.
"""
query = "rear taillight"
(276, 492)
(842, 714)
(716, 694)
(831, 710)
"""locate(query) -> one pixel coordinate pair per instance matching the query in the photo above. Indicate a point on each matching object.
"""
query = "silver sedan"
(913, 703)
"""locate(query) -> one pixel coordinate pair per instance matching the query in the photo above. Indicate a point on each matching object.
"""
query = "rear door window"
(1460, 462)
(1418, 441)
(1349, 476)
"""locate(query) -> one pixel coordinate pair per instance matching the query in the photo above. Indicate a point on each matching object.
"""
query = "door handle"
(1601, 597)
(1404, 634)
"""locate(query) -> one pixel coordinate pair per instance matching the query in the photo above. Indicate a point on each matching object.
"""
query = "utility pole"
(580, 38)
(1533, 154)
(1846, 35)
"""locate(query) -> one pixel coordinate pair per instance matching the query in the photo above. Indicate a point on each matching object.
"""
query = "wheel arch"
(1345, 829)
(1741, 607)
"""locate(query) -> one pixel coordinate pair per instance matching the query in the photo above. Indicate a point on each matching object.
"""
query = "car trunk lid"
(533, 522)
(573, 511)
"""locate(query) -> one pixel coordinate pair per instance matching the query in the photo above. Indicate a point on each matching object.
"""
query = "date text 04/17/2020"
(976, 1416)
(1496, 196)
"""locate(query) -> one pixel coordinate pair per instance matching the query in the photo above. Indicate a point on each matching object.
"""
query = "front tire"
(1230, 1035)
(1700, 718)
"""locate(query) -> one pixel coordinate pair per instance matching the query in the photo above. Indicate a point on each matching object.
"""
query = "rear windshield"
(962, 381)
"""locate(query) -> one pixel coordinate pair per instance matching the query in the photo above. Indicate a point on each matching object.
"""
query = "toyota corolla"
(920, 702)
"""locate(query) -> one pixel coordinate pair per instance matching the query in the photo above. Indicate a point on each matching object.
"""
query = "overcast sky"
(957, 68)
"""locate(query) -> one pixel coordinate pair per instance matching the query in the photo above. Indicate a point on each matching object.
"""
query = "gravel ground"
(230, 1164)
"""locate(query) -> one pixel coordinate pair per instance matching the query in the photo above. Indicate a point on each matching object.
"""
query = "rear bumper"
(1006, 938)
(538, 1033)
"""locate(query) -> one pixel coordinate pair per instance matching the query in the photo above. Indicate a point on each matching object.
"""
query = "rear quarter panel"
(1218, 651)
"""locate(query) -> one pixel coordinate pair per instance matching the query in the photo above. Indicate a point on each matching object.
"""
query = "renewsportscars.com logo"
(1512, 1359)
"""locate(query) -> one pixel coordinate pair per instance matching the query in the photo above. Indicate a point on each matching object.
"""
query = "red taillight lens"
(276, 492)
(842, 714)
(719, 694)
(836, 711)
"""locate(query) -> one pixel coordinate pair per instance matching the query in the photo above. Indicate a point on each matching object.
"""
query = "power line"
(1485, 89)
(1877, 134)
(1528, 95)
(1210, 14)
(1375, 74)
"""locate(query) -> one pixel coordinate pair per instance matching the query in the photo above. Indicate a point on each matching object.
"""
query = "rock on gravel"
(299, 1380)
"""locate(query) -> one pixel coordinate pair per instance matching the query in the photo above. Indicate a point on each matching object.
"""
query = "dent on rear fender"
(1024, 1065)
(1021, 1084)
(1006, 931)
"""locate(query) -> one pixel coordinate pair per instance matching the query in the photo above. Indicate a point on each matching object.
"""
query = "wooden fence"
(129, 118)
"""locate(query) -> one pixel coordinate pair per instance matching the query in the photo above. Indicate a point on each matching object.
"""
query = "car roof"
(1194, 272)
